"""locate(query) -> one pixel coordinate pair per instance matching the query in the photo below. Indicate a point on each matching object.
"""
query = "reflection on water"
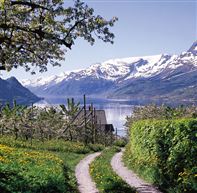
(116, 110)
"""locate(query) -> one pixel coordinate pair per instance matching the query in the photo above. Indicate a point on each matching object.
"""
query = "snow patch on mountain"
(112, 70)
(122, 69)
(41, 81)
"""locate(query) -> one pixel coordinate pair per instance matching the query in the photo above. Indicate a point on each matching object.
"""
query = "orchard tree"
(34, 33)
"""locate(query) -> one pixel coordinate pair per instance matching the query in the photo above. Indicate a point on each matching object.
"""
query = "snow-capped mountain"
(114, 77)
(112, 70)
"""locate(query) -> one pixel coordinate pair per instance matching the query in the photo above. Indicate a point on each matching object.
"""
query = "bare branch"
(30, 4)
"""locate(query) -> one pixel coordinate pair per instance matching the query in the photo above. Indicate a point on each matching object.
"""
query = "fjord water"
(116, 110)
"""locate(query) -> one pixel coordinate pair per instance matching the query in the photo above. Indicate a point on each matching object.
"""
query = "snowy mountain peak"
(114, 69)
(121, 69)
(193, 48)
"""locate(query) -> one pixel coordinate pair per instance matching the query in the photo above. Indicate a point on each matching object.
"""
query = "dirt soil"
(130, 177)
(84, 180)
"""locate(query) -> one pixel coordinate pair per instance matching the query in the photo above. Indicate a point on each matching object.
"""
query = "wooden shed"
(99, 117)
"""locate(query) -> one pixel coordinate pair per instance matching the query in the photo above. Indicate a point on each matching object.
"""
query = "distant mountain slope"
(11, 89)
(149, 77)
(98, 77)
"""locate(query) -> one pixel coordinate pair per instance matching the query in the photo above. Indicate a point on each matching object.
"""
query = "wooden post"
(111, 135)
(85, 118)
(72, 106)
(105, 137)
(68, 107)
(92, 123)
(95, 124)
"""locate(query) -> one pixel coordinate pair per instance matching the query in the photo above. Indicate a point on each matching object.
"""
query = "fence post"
(92, 123)
(95, 124)
(111, 135)
(85, 118)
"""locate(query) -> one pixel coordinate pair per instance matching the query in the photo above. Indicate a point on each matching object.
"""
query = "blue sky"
(144, 27)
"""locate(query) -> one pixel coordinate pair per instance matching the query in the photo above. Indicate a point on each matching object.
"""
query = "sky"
(144, 27)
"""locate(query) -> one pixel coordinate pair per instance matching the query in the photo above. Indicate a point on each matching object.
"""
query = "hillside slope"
(11, 89)
(158, 77)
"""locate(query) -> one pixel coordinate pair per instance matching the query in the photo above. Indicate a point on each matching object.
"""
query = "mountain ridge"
(119, 78)
(11, 89)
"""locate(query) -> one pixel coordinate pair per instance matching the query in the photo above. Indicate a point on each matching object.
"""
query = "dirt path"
(131, 178)
(85, 183)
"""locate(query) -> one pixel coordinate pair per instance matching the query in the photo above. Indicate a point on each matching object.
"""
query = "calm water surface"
(116, 110)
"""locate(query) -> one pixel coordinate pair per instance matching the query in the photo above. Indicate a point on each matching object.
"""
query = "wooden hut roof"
(100, 115)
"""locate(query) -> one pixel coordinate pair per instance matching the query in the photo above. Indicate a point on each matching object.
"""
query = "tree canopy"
(35, 33)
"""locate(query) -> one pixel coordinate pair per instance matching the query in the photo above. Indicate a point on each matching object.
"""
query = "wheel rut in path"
(84, 180)
(130, 177)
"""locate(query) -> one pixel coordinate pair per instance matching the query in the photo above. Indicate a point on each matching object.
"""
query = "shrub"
(166, 152)
(120, 142)
(96, 147)
(160, 112)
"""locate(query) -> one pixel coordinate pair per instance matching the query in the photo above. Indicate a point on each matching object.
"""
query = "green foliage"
(34, 33)
(39, 130)
(70, 159)
(165, 152)
(160, 112)
(30, 123)
(30, 167)
(70, 112)
(55, 145)
(22, 170)
(120, 142)
(106, 179)
(72, 108)
(95, 147)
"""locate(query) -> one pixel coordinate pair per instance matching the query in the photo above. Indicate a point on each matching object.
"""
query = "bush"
(120, 142)
(160, 112)
(96, 147)
(165, 151)
(30, 171)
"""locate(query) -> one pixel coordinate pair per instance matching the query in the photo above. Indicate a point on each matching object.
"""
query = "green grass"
(70, 161)
(40, 167)
(106, 179)
(56, 145)
(22, 170)
(146, 173)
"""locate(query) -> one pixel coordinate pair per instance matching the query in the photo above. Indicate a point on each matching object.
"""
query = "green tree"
(70, 112)
(35, 33)
(49, 121)
(10, 118)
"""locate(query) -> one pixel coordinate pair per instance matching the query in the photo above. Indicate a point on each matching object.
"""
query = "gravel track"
(84, 180)
(129, 177)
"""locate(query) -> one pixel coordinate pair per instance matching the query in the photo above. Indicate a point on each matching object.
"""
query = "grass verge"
(106, 179)
(22, 170)
(144, 172)
(56, 145)
(40, 167)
